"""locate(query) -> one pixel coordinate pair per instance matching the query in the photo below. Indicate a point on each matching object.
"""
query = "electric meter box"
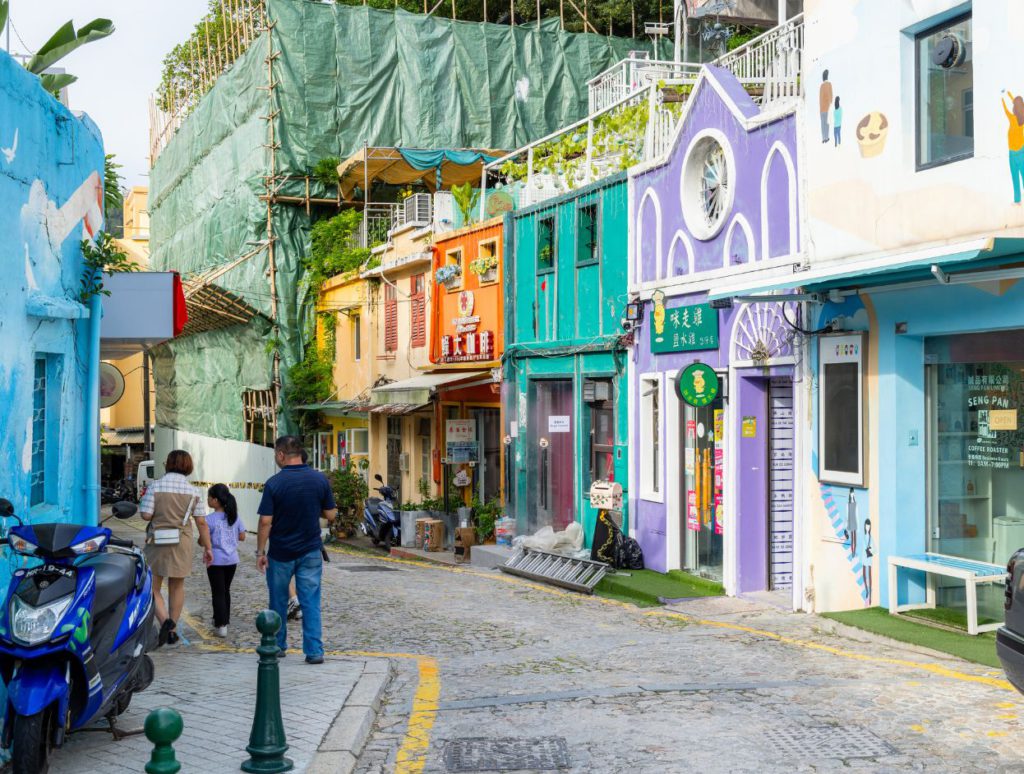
(606, 495)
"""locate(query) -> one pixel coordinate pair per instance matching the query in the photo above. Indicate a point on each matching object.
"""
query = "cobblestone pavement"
(718, 685)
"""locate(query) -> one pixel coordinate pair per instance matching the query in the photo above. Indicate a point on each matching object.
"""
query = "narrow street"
(715, 685)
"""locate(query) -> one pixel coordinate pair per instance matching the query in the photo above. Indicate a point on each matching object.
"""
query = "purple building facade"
(714, 469)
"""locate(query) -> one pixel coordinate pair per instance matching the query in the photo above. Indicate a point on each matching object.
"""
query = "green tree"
(333, 248)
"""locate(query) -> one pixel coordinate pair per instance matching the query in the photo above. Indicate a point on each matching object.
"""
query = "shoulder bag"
(172, 536)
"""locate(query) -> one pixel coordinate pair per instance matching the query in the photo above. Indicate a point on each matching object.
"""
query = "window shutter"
(419, 312)
(390, 320)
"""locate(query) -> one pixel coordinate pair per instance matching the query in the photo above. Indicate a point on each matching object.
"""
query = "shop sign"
(467, 343)
(460, 440)
(684, 328)
(558, 424)
(692, 522)
(697, 385)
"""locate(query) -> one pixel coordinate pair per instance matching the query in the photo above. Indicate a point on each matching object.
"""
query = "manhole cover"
(367, 568)
(829, 742)
(488, 754)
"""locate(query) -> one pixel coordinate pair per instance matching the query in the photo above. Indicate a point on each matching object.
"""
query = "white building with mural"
(915, 350)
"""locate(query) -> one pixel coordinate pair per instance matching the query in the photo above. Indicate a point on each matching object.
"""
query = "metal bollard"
(267, 744)
(163, 727)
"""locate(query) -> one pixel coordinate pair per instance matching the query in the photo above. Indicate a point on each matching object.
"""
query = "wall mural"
(843, 509)
(1015, 139)
(872, 132)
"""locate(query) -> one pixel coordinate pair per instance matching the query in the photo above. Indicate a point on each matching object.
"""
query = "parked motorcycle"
(381, 522)
(75, 629)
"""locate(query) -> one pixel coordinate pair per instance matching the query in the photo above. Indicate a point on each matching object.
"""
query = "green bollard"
(163, 727)
(267, 744)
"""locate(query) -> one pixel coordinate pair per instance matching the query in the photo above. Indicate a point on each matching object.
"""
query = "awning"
(339, 408)
(133, 436)
(418, 390)
(402, 166)
(871, 272)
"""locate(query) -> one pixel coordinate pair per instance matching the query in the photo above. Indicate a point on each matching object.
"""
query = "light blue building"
(51, 198)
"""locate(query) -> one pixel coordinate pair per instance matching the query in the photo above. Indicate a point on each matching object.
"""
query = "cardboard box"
(420, 532)
(433, 535)
(465, 539)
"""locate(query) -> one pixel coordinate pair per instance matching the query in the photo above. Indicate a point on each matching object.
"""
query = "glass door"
(488, 438)
(552, 452)
(703, 511)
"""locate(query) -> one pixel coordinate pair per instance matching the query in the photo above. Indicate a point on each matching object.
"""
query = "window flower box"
(485, 268)
(449, 275)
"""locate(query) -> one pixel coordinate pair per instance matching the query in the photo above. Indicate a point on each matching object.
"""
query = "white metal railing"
(378, 220)
(769, 66)
(632, 74)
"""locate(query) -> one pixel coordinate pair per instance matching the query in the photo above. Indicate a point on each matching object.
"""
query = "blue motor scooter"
(75, 629)
(380, 520)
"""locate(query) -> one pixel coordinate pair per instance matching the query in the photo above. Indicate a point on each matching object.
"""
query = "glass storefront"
(552, 455)
(703, 512)
(976, 449)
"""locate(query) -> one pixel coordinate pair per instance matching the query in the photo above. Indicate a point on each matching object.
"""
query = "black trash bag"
(631, 555)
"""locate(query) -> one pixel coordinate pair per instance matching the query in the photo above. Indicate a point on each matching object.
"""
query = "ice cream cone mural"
(659, 315)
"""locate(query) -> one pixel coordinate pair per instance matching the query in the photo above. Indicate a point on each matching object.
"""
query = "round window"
(707, 186)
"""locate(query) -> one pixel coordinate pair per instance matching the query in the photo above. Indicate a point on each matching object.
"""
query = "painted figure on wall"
(837, 122)
(1015, 140)
(850, 533)
(869, 561)
(824, 104)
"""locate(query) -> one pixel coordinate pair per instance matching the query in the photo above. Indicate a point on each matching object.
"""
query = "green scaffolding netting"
(343, 76)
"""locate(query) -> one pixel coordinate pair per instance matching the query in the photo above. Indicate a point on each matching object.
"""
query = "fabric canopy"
(403, 166)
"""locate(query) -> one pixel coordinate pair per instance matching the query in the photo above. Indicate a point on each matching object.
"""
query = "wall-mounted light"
(634, 312)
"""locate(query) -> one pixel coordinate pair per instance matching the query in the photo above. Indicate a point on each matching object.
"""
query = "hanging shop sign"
(697, 385)
(467, 343)
(111, 385)
(684, 328)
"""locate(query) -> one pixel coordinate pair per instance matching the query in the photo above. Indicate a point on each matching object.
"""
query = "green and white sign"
(697, 384)
(684, 328)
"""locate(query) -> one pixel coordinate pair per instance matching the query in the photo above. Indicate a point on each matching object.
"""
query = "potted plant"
(486, 268)
(486, 516)
(350, 491)
(449, 275)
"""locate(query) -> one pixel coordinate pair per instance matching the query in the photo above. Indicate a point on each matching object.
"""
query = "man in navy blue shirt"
(294, 501)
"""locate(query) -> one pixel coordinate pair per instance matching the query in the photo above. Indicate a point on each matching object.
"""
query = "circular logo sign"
(465, 303)
(111, 385)
(697, 384)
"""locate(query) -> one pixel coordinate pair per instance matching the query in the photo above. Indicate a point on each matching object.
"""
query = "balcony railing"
(632, 74)
(769, 66)
(422, 210)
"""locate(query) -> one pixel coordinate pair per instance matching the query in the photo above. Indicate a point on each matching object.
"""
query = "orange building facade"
(467, 335)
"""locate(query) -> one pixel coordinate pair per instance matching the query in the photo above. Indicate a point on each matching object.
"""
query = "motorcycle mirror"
(6, 508)
(124, 510)
(378, 478)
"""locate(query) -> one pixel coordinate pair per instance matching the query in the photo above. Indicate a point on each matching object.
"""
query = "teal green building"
(566, 354)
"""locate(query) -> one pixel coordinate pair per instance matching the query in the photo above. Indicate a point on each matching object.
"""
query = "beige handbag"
(172, 536)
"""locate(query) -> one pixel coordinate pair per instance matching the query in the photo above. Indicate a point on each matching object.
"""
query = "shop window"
(650, 438)
(418, 310)
(602, 431)
(546, 244)
(359, 441)
(587, 230)
(390, 318)
(356, 323)
(945, 97)
(841, 410)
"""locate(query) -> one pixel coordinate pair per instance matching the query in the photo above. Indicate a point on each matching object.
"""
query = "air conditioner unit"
(403, 462)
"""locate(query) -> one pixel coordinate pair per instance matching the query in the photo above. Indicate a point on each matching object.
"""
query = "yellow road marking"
(1006, 705)
(1009, 716)
(936, 669)
(918, 729)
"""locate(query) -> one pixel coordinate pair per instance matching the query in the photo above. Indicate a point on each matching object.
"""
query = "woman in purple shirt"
(226, 529)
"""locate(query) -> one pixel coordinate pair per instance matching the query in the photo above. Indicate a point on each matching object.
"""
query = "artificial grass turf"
(645, 587)
(980, 649)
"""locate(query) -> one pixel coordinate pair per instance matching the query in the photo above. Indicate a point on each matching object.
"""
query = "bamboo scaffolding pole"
(271, 181)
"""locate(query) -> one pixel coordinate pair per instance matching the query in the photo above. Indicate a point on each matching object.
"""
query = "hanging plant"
(448, 273)
(483, 265)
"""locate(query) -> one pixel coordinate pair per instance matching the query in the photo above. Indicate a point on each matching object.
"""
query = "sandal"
(172, 635)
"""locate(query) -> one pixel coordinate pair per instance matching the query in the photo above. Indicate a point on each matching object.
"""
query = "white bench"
(971, 572)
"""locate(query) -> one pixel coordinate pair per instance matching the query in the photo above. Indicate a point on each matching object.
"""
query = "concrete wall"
(51, 196)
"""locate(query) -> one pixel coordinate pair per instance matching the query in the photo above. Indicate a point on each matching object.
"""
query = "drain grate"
(488, 754)
(367, 568)
(829, 742)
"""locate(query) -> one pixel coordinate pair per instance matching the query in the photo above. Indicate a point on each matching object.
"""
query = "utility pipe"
(91, 440)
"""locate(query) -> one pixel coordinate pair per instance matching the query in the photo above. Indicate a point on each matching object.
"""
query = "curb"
(344, 741)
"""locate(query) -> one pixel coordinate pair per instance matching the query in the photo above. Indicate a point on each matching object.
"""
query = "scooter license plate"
(50, 569)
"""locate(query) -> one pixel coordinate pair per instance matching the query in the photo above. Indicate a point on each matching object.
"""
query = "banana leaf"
(54, 82)
(5, 8)
(65, 40)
